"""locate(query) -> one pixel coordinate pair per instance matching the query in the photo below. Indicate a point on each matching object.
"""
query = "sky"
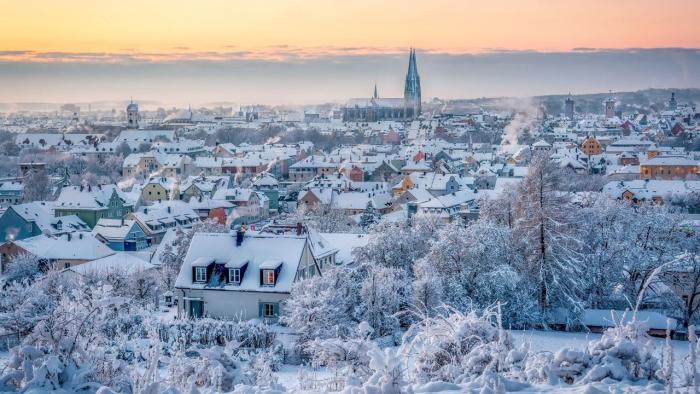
(287, 51)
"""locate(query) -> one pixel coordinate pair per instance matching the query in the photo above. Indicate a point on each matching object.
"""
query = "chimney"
(299, 228)
(239, 237)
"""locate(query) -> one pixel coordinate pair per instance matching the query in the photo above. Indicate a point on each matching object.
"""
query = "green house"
(93, 203)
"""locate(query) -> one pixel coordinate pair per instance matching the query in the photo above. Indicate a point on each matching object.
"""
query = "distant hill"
(643, 101)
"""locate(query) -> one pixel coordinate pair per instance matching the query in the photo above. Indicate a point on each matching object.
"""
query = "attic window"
(200, 274)
(234, 275)
(269, 277)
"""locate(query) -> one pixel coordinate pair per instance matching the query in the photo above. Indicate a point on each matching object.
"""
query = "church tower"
(132, 115)
(411, 92)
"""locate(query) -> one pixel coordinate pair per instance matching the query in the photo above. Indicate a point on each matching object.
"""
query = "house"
(62, 251)
(668, 168)
(541, 146)
(156, 219)
(156, 163)
(10, 192)
(240, 276)
(35, 218)
(120, 234)
(354, 203)
(202, 186)
(310, 167)
(268, 184)
(160, 188)
(416, 166)
(248, 205)
(134, 138)
(93, 203)
(651, 190)
(206, 208)
(447, 206)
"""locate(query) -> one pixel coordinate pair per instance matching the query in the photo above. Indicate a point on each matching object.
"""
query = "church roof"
(376, 103)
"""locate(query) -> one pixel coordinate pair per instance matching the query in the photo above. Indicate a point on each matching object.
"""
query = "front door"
(196, 309)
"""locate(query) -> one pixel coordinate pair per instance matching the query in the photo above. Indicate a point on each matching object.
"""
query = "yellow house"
(160, 189)
(403, 186)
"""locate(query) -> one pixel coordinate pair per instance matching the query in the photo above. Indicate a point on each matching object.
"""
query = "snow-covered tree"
(399, 244)
(604, 230)
(324, 307)
(36, 186)
(369, 217)
(25, 266)
(477, 266)
(385, 296)
(326, 219)
(544, 225)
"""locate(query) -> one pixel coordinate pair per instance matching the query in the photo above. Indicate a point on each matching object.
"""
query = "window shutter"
(261, 310)
(276, 309)
(194, 274)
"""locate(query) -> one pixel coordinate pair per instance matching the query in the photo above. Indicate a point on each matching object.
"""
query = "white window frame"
(200, 274)
(234, 275)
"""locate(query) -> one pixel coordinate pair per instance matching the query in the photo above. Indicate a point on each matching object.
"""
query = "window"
(200, 274)
(234, 275)
(269, 277)
(268, 309)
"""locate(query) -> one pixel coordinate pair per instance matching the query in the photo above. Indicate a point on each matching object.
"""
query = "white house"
(240, 276)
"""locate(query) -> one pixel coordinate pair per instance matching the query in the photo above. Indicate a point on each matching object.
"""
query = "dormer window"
(269, 277)
(234, 276)
(200, 274)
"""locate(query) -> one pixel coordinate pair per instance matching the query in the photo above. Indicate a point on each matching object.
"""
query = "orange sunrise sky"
(290, 51)
(323, 26)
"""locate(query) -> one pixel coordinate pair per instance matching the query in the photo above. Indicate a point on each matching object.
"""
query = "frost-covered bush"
(624, 353)
(350, 356)
(207, 332)
(388, 374)
(456, 346)
(216, 368)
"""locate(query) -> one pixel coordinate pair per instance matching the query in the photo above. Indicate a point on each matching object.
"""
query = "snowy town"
(545, 243)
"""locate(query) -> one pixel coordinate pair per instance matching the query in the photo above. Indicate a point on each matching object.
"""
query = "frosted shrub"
(456, 346)
(348, 355)
(209, 332)
(624, 353)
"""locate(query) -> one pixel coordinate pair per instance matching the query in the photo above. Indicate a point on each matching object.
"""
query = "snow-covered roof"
(259, 251)
(41, 213)
(113, 228)
(345, 243)
(609, 318)
(88, 197)
(122, 262)
(77, 246)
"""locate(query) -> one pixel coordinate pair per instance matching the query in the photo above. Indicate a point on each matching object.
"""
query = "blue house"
(120, 235)
(35, 218)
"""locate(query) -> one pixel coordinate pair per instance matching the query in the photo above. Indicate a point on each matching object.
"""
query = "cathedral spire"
(412, 94)
(375, 91)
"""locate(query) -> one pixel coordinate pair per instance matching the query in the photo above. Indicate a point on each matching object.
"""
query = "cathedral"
(375, 108)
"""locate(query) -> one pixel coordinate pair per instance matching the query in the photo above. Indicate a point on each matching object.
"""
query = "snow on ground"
(552, 341)
(538, 341)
